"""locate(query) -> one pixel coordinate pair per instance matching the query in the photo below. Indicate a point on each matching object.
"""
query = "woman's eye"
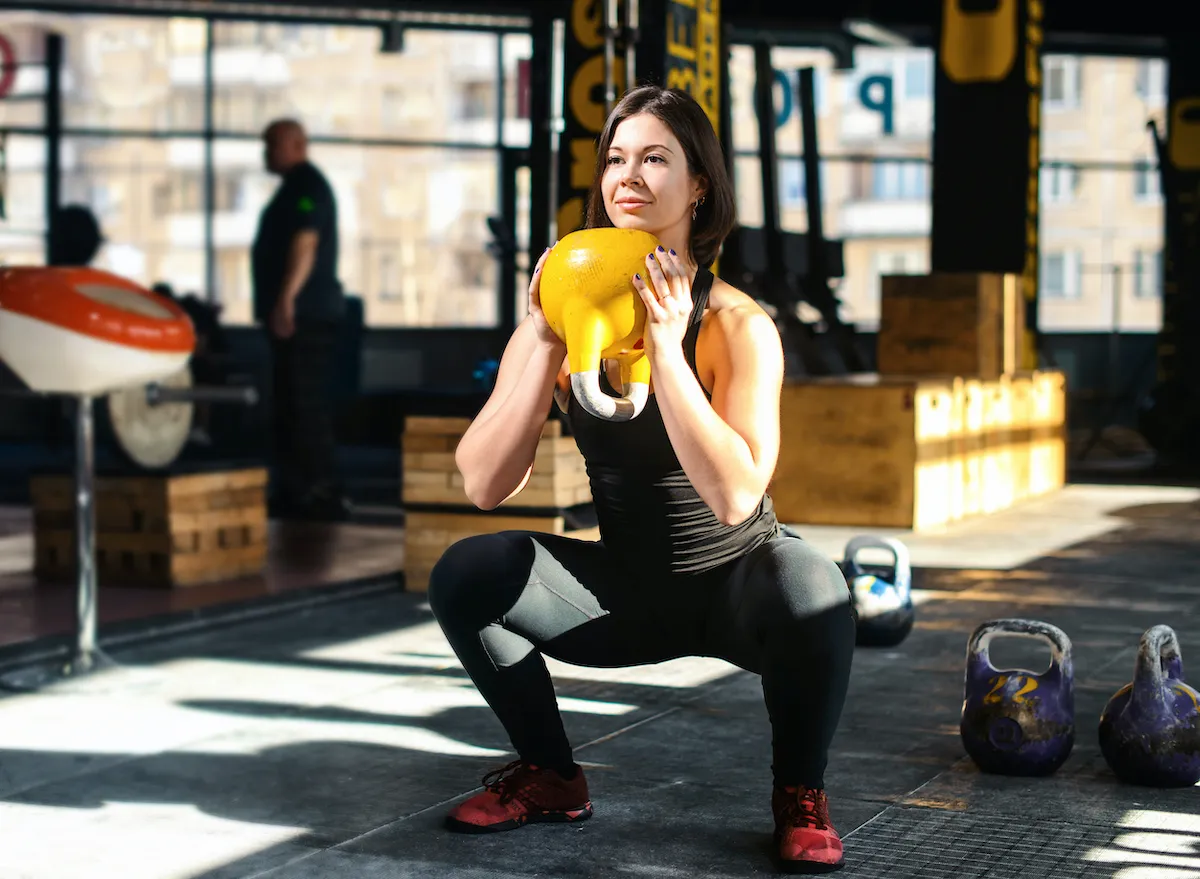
(654, 158)
(612, 160)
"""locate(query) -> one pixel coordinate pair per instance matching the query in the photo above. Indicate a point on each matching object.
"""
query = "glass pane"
(741, 99)
(1101, 204)
(1101, 246)
(148, 195)
(524, 262)
(134, 72)
(412, 228)
(23, 225)
(340, 81)
(518, 49)
(25, 33)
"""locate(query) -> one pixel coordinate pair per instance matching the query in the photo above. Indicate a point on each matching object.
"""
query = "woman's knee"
(479, 577)
(798, 581)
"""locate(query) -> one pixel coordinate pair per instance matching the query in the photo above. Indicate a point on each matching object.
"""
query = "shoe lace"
(516, 781)
(808, 807)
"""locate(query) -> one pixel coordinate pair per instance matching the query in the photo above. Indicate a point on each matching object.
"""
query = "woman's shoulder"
(736, 312)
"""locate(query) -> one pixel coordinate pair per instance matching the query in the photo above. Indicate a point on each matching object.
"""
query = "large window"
(408, 132)
(148, 195)
(1102, 214)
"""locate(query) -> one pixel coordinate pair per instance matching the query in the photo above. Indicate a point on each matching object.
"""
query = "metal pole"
(631, 40)
(558, 66)
(210, 171)
(1114, 338)
(54, 124)
(611, 24)
(818, 271)
(85, 537)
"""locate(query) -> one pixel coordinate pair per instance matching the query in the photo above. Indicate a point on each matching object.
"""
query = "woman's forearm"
(716, 459)
(496, 452)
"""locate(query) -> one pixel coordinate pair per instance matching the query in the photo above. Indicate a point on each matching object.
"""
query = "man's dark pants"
(302, 428)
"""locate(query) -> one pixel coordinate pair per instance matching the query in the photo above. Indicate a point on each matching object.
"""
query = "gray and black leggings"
(781, 611)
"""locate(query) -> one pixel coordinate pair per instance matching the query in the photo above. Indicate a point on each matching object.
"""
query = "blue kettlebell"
(1014, 721)
(881, 596)
(1150, 729)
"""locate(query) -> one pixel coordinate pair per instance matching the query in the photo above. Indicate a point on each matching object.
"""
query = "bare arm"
(728, 448)
(495, 455)
(301, 257)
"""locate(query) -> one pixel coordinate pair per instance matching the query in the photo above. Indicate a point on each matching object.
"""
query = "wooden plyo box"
(164, 531)
(427, 535)
(887, 451)
(866, 450)
(430, 476)
(1048, 432)
(950, 324)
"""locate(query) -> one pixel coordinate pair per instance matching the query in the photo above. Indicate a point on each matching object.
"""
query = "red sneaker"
(805, 835)
(521, 794)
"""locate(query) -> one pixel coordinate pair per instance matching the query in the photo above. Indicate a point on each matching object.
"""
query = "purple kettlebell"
(1018, 722)
(1150, 729)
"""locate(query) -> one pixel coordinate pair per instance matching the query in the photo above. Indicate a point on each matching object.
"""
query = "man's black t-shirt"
(304, 200)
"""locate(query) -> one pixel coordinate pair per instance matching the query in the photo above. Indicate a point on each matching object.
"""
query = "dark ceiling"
(1084, 25)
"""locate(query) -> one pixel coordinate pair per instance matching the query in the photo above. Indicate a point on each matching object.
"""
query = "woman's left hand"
(666, 289)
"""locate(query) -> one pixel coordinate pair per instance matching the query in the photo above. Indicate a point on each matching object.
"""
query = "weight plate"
(152, 436)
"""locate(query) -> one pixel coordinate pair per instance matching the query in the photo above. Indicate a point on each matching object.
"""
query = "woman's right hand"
(545, 334)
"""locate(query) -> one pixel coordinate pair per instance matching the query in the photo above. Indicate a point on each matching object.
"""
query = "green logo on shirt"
(306, 205)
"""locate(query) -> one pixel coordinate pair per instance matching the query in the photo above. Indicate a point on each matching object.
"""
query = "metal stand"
(86, 657)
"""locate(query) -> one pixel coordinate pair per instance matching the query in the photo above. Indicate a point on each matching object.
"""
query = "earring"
(695, 205)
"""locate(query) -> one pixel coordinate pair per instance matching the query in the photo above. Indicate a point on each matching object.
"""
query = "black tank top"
(645, 504)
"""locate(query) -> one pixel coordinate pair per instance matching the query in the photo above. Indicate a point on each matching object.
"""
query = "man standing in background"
(298, 298)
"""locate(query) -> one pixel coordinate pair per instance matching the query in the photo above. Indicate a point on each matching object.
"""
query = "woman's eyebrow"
(653, 146)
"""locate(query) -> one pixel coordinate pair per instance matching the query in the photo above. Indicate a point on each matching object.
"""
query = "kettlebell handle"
(1060, 644)
(1158, 658)
(900, 558)
(586, 386)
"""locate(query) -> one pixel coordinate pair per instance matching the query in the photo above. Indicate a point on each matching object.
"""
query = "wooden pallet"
(165, 531)
(430, 476)
(427, 535)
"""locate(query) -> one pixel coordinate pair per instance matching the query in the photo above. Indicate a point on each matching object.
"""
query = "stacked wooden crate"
(157, 530)
(948, 429)
(438, 512)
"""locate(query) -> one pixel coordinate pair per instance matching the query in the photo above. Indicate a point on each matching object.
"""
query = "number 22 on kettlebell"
(995, 697)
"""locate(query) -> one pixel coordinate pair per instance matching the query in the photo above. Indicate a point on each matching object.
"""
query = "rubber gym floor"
(328, 741)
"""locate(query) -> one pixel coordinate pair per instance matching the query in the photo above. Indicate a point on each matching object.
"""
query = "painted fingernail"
(638, 276)
(660, 249)
(672, 253)
(652, 256)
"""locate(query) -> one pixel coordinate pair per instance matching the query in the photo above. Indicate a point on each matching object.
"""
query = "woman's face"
(646, 182)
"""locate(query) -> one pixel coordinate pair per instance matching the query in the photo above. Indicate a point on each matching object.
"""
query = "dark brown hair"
(680, 112)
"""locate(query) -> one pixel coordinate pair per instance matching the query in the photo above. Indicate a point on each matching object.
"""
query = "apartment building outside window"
(1147, 273)
(900, 181)
(1059, 184)
(1061, 274)
(1062, 82)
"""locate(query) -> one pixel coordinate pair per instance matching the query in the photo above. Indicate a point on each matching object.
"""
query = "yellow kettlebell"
(590, 302)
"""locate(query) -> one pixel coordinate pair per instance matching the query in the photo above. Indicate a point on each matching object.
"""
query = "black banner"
(986, 145)
(679, 46)
(1181, 250)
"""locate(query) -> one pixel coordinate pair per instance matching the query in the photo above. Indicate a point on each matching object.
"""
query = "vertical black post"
(507, 261)
(764, 105)
(540, 187)
(210, 171)
(54, 126)
(818, 268)
(986, 146)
